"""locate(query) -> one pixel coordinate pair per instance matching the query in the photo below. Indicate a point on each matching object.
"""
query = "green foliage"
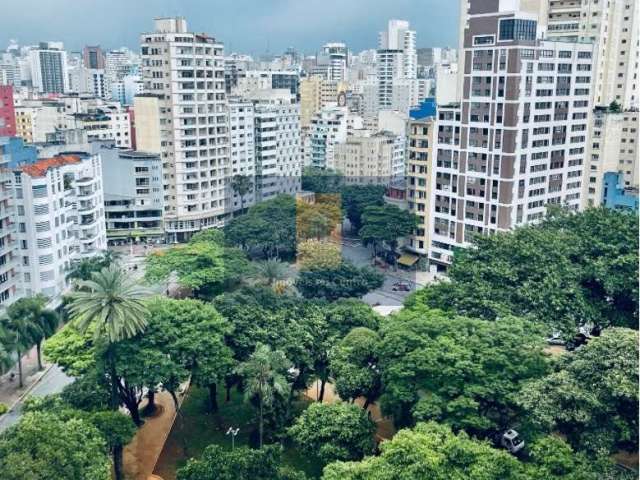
(43, 446)
(73, 351)
(321, 180)
(241, 463)
(592, 394)
(463, 372)
(330, 432)
(111, 304)
(84, 269)
(319, 254)
(271, 271)
(241, 185)
(569, 270)
(116, 429)
(355, 198)
(267, 229)
(345, 314)
(204, 264)
(355, 366)
(386, 224)
(344, 281)
(430, 451)
(3, 409)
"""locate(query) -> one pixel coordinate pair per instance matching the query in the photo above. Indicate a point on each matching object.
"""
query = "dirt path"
(141, 455)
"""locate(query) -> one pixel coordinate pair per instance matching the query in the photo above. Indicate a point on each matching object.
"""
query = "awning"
(408, 259)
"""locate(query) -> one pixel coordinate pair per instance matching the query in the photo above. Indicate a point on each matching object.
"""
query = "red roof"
(39, 168)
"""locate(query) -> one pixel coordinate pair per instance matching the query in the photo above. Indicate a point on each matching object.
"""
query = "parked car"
(511, 441)
(401, 287)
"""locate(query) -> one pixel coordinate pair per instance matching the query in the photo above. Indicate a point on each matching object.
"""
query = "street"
(53, 381)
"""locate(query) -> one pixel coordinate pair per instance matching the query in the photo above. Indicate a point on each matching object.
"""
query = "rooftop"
(40, 168)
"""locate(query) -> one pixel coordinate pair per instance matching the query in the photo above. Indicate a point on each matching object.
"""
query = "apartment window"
(517, 29)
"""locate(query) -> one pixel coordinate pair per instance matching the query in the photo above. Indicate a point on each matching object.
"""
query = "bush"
(3, 409)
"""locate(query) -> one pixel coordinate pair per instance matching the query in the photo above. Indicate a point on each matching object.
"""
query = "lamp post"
(233, 432)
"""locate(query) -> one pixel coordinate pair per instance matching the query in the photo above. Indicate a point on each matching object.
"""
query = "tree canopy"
(321, 180)
(334, 431)
(43, 445)
(355, 198)
(319, 254)
(569, 270)
(591, 395)
(343, 281)
(268, 229)
(462, 372)
(386, 224)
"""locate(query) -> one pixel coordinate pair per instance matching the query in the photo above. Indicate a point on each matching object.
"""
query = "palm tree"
(114, 306)
(271, 271)
(42, 321)
(264, 379)
(6, 348)
(21, 332)
(241, 184)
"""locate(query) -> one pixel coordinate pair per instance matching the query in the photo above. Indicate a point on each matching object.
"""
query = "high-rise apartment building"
(48, 65)
(370, 159)
(7, 112)
(331, 125)
(333, 60)
(184, 72)
(517, 141)
(60, 218)
(277, 141)
(315, 93)
(93, 57)
(397, 66)
(613, 149)
(613, 26)
(242, 121)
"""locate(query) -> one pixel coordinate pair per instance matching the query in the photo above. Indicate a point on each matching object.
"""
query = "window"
(517, 29)
(484, 40)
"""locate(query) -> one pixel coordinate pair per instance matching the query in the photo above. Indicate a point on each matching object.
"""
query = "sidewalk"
(10, 392)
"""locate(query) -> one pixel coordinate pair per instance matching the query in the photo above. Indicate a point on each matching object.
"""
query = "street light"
(233, 432)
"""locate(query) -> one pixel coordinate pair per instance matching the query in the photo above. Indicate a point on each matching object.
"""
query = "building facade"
(242, 119)
(7, 112)
(185, 71)
(48, 64)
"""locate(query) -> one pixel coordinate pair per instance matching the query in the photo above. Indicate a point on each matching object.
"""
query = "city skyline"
(289, 24)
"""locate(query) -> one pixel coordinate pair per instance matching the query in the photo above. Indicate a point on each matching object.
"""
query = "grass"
(198, 429)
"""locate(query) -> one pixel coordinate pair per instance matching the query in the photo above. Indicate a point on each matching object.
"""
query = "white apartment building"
(60, 219)
(124, 90)
(190, 129)
(613, 148)
(331, 125)
(277, 143)
(613, 25)
(333, 60)
(518, 140)
(109, 121)
(397, 66)
(370, 159)
(48, 65)
(35, 119)
(9, 255)
(242, 146)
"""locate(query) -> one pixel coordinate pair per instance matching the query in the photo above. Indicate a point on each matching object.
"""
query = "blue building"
(615, 196)
(14, 152)
(426, 109)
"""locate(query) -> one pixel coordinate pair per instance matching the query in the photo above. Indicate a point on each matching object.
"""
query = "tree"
(615, 107)
(22, 329)
(271, 271)
(591, 396)
(355, 366)
(321, 180)
(268, 229)
(192, 333)
(317, 254)
(241, 185)
(241, 463)
(344, 281)
(430, 451)
(42, 446)
(318, 219)
(264, 375)
(335, 431)
(83, 269)
(112, 305)
(117, 431)
(355, 198)
(463, 372)
(569, 270)
(42, 322)
(204, 264)
(386, 224)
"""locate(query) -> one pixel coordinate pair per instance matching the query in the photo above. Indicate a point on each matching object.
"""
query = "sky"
(246, 26)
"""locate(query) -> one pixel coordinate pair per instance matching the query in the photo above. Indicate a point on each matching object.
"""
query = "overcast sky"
(248, 26)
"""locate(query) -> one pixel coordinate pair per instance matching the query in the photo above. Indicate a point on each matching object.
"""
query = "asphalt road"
(53, 381)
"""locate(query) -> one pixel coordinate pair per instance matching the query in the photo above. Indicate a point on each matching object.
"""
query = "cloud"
(243, 25)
